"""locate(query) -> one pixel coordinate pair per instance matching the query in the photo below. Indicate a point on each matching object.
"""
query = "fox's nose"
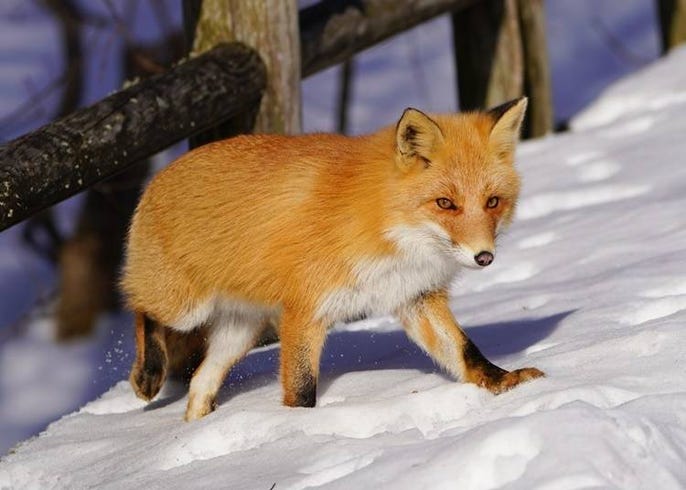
(483, 258)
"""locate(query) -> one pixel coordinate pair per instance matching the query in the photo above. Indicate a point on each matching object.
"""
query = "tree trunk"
(271, 28)
(672, 14)
(539, 120)
(488, 54)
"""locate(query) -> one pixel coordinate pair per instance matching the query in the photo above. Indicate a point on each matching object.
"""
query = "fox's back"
(242, 215)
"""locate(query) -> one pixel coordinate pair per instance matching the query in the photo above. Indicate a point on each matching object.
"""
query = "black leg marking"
(475, 361)
(155, 355)
(307, 391)
(148, 377)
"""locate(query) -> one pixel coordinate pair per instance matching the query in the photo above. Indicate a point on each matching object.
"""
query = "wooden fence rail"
(75, 152)
(332, 31)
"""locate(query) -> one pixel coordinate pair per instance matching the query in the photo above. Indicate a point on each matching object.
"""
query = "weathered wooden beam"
(331, 31)
(91, 144)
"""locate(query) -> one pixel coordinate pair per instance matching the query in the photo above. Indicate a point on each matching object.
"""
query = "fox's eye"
(445, 203)
(492, 202)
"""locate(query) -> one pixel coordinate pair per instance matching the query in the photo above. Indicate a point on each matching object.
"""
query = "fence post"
(488, 54)
(537, 86)
(271, 28)
(672, 14)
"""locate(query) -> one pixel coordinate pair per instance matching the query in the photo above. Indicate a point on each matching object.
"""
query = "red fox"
(305, 231)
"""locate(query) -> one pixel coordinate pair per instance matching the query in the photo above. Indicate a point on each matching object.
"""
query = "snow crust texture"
(589, 285)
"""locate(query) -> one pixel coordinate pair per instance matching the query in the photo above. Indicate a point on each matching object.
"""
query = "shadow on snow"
(367, 350)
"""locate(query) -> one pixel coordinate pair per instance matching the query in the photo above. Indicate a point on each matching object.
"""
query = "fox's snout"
(473, 258)
(484, 258)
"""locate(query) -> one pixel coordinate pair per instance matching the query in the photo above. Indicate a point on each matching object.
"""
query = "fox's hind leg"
(150, 367)
(430, 323)
(230, 336)
(185, 351)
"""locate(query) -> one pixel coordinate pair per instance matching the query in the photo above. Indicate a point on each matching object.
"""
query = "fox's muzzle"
(483, 258)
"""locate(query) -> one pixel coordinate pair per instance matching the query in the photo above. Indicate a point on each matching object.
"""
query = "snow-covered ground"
(589, 285)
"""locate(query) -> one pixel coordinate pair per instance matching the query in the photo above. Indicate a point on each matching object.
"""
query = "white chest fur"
(422, 264)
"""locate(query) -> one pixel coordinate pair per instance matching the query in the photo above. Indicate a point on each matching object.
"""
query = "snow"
(588, 286)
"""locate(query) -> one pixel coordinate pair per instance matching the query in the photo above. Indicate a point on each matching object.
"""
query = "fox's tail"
(150, 367)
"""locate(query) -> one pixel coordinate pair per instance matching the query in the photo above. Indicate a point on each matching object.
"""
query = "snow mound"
(588, 286)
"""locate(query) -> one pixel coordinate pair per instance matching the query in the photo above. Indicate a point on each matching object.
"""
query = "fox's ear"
(417, 135)
(507, 123)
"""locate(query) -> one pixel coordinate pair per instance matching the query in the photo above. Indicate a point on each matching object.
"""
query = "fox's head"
(458, 184)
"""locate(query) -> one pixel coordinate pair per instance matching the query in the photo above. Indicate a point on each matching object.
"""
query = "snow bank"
(589, 285)
(646, 91)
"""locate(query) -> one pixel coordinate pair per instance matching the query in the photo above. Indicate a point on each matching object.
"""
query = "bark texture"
(488, 54)
(271, 28)
(537, 85)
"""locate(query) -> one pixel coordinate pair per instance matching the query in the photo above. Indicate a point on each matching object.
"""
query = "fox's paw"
(199, 406)
(146, 384)
(513, 378)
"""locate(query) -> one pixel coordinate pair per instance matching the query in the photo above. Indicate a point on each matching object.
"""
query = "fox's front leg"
(302, 338)
(430, 323)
